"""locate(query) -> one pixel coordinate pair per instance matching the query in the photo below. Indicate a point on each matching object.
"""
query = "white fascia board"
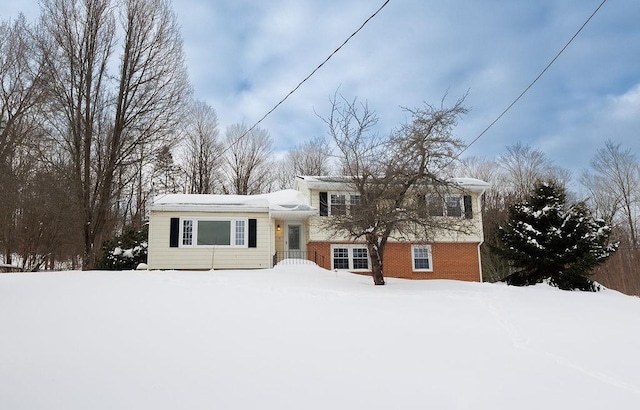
(208, 208)
(293, 215)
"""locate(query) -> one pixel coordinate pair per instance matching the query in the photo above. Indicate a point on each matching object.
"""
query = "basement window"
(350, 257)
(421, 256)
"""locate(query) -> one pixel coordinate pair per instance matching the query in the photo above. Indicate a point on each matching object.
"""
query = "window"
(214, 232)
(341, 258)
(338, 204)
(435, 205)
(240, 233)
(350, 257)
(421, 258)
(448, 206)
(360, 258)
(187, 232)
(453, 206)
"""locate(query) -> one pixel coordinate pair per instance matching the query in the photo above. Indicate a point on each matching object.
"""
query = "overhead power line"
(306, 78)
(531, 84)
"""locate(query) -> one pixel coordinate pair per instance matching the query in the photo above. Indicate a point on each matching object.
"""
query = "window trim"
(413, 258)
(232, 234)
(350, 248)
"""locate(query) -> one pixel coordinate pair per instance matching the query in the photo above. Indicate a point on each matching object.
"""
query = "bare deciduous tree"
(614, 187)
(523, 166)
(167, 175)
(102, 118)
(248, 163)
(21, 97)
(389, 175)
(311, 157)
(202, 149)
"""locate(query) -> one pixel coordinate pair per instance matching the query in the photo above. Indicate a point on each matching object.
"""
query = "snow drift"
(299, 337)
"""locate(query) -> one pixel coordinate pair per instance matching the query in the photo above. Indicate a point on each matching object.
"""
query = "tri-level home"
(257, 231)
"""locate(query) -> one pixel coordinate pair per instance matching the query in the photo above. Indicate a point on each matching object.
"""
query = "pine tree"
(547, 239)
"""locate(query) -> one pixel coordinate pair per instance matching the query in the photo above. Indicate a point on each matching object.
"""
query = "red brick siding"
(320, 253)
(450, 260)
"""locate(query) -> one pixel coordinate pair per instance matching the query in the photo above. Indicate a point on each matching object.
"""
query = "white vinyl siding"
(162, 256)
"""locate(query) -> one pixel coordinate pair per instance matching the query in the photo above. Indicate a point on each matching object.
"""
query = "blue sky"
(245, 55)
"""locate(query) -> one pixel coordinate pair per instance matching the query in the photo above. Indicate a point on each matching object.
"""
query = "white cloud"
(625, 107)
(244, 56)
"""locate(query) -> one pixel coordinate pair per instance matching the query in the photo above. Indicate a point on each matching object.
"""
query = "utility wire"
(305, 79)
(529, 86)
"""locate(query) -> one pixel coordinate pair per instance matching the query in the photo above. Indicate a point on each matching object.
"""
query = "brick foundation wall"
(320, 253)
(454, 260)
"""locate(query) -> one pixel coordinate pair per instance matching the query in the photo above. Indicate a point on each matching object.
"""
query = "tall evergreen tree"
(547, 239)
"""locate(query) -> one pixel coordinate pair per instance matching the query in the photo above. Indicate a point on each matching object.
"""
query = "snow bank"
(299, 337)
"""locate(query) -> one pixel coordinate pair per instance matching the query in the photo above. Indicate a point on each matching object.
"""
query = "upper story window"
(453, 206)
(338, 203)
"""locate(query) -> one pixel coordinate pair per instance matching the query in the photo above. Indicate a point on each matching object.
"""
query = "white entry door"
(294, 245)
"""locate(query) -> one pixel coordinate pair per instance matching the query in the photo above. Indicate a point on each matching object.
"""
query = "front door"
(294, 245)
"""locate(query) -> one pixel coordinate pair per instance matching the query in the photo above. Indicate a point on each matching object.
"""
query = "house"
(225, 231)
(256, 231)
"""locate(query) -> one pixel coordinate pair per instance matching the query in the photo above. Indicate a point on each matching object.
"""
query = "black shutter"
(468, 208)
(174, 231)
(324, 204)
(253, 233)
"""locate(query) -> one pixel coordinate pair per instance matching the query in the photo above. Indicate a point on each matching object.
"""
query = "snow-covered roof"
(323, 182)
(472, 184)
(342, 182)
(286, 202)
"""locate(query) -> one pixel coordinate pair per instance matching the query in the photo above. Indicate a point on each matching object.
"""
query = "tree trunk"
(375, 254)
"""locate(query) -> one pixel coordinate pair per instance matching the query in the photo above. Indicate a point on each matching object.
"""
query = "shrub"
(125, 251)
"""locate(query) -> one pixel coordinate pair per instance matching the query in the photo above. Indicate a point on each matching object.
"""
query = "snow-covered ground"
(298, 337)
